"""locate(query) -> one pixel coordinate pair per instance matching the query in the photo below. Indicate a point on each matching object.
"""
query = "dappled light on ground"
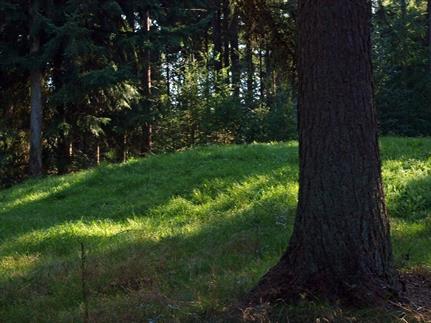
(177, 236)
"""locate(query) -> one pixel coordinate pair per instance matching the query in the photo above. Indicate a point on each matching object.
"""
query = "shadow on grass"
(405, 149)
(223, 217)
(118, 192)
(189, 198)
(200, 264)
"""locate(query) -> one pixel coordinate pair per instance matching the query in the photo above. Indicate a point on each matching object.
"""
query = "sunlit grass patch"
(176, 237)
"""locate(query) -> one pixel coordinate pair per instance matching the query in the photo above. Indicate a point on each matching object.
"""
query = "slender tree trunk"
(250, 72)
(63, 159)
(63, 155)
(217, 36)
(71, 149)
(35, 161)
(381, 15)
(63, 144)
(403, 7)
(226, 34)
(125, 150)
(381, 10)
(147, 146)
(147, 126)
(429, 33)
(340, 247)
(98, 155)
(234, 55)
(269, 70)
(147, 75)
(168, 77)
(262, 78)
(208, 83)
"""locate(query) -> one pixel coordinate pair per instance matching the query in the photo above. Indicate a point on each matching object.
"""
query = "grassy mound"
(176, 237)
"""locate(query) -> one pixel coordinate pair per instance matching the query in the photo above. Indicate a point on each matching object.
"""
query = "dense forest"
(89, 81)
(215, 161)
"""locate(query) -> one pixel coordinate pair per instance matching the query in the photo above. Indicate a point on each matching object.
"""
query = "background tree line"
(87, 81)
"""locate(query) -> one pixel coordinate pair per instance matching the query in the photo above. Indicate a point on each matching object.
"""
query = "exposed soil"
(417, 288)
(415, 305)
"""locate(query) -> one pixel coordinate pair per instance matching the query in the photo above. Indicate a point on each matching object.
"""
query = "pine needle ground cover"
(176, 237)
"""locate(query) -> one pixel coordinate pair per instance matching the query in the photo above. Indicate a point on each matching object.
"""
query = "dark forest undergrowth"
(182, 237)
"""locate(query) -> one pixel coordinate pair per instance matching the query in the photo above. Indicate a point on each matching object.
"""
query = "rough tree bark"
(340, 248)
(35, 162)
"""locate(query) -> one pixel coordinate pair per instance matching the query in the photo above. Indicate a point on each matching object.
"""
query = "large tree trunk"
(35, 162)
(340, 248)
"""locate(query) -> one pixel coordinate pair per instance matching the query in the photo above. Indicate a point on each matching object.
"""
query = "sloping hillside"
(178, 236)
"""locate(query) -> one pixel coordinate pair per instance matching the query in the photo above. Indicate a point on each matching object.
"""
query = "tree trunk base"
(285, 284)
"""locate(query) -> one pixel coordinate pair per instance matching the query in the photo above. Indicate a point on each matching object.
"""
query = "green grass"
(176, 237)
